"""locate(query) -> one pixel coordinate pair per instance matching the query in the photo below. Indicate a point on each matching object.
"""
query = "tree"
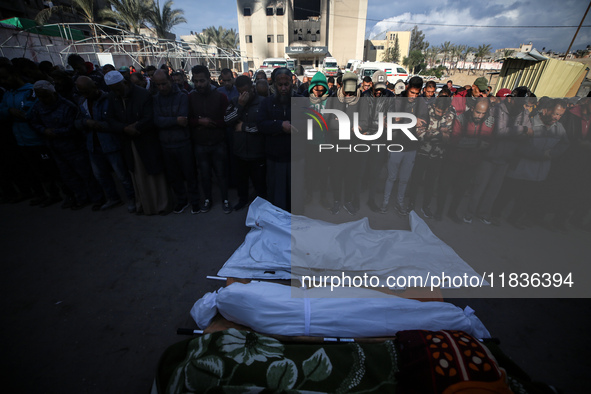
(482, 52)
(466, 52)
(417, 40)
(84, 7)
(164, 20)
(508, 52)
(456, 52)
(414, 61)
(392, 54)
(445, 49)
(130, 14)
(431, 54)
(222, 38)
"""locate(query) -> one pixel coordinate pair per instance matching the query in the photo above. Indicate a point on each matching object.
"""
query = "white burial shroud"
(281, 246)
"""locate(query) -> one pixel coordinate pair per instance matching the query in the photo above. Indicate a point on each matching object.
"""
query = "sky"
(384, 15)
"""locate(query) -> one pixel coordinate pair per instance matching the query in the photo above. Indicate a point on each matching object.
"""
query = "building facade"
(374, 50)
(304, 30)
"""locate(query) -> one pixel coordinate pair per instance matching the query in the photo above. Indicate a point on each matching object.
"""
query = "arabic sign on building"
(306, 50)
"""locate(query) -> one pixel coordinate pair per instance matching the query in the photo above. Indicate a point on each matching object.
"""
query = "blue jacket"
(23, 99)
(166, 111)
(109, 142)
(60, 118)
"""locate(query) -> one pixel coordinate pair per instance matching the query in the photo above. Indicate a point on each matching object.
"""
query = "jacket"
(536, 153)
(136, 107)
(108, 141)
(430, 137)
(60, 118)
(468, 140)
(213, 105)
(510, 130)
(166, 111)
(249, 143)
(272, 113)
(22, 99)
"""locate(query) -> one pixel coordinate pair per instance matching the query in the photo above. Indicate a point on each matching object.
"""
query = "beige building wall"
(374, 49)
(341, 26)
(346, 29)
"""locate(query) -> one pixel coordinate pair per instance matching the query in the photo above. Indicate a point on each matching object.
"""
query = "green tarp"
(48, 30)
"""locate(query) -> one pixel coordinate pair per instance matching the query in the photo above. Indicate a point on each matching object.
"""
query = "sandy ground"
(92, 299)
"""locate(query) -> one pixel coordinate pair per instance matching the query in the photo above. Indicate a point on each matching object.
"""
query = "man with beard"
(512, 126)
(171, 111)
(468, 142)
(526, 180)
(274, 121)
(207, 108)
(131, 114)
(433, 139)
(249, 143)
(400, 164)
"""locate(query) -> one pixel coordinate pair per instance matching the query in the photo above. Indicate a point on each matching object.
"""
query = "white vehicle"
(330, 67)
(309, 71)
(394, 71)
(351, 65)
(274, 62)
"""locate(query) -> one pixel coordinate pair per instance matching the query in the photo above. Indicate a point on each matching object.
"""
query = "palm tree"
(164, 20)
(431, 53)
(129, 13)
(466, 52)
(482, 51)
(445, 49)
(84, 7)
(223, 39)
(508, 52)
(456, 52)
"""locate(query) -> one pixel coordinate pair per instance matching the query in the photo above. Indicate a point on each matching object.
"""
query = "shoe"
(68, 202)
(112, 204)
(50, 201)
(195, 209)
(180, 207)
(384, 208)
(427, 212)
(400, 210)
(336, 208)
(79, 205)
(98, 205)
(350, 208)
(131, 206)
(468, 219)
(240, 205)
(226, 207)
(485, 220)
(206, 206)
(454, 217)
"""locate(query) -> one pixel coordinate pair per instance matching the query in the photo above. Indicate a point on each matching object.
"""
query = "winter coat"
(249, 142)
(60, 118)
(137, 107)
(109, 142)
(22, 99)
(212, 105)
(166, 111)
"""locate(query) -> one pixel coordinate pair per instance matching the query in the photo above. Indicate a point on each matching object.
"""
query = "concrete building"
(305, 30)
(374, 50)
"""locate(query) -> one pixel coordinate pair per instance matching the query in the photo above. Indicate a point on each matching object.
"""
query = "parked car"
(309, 71)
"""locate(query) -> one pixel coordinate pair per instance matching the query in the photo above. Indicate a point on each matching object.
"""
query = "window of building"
(280, 38)
(380, 48)
(270, 38)
(269, 11)
(303, 9)
(279, 11)
(246, 11)
(248, 39)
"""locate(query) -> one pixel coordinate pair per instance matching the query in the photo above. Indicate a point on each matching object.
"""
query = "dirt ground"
(92, 299)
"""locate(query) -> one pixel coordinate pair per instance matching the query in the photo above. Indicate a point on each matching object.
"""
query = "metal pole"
(577, 32)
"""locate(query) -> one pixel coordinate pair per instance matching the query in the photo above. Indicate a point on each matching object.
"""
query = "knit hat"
(379, 79)
(503, 92)
(44, 85)
(481, 83)
(318, 79)
(349, 82)
(113, 77)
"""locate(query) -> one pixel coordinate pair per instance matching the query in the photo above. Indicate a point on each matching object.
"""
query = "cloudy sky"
(383, 15)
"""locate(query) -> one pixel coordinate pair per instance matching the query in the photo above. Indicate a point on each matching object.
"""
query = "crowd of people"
(164, 136)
